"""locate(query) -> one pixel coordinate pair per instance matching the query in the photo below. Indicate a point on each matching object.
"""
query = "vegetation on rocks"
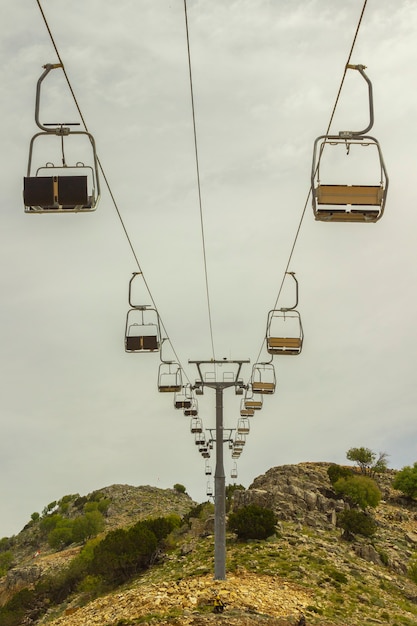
(163, 564)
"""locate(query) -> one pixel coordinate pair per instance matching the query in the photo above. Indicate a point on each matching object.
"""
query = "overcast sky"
(77, 412)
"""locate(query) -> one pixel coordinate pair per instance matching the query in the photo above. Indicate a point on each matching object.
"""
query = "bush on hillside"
(252, 522)
(335, 472)
(356, 522)
(406, 481)
(361, 490)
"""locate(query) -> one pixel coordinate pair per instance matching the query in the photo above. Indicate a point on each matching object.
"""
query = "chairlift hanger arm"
(284, 309)
(59, 128)
(356, 133)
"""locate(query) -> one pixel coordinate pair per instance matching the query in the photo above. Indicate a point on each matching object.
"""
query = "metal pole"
(219, 494)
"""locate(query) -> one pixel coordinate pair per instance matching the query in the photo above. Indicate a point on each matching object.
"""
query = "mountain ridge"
(326, 579)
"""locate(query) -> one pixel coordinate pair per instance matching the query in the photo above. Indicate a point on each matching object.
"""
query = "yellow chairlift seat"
(349, 195)
(284, 345)
(256, 405)
(263, 387)
(360, 195)
(247, 412)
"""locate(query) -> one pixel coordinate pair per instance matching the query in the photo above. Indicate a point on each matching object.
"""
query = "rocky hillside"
(307, 569)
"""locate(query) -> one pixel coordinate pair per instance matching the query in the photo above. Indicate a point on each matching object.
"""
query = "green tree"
(61, 535)
(369, 463)
(406, 481)
(87, 526)
(361, 490)
(252, 522)
(180, 488)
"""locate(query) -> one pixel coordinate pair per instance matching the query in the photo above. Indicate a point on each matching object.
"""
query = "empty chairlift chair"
(252, 402)
(284, 331)
(196, 425)
(263, 378)
(243, 427)
(169, 377)
(233, 472)
(68, 188)
(246, 411)
(183, 398)
(142, 332)
(349, 202)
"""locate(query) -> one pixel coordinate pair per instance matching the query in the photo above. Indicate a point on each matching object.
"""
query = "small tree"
(180, 488)
(369, 463)
(361, 490)
(406, 481)
(252, 522)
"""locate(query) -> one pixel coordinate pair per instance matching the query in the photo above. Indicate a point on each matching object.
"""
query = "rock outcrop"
(300, 493)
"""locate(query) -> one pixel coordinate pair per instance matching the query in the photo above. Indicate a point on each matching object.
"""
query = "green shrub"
(87, 526)
(162, 526)
(61, 535)
(180, 488)
(356, 522)
(6, 561)
(123, 553)
(406, 481)
(335, 472)
(361, 490)
(252, 522)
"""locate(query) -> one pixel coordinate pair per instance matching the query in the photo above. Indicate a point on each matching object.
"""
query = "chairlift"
(236, 453)
(200, 439)
(240, 440)
(196, 425)
(350, 202)
(192, 411)
(243, 427)
(65, 188)
(207, 469)
(252, 402)
(284, 331)
(169, 377)
(142, 331)
(209, 491)
(183, 398)
(233, 472)
(246, 411)
(263, 378)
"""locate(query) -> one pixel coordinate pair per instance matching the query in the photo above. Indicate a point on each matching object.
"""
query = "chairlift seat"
(362, 195)
(169, 388)
(247, 412)
(49, 193)
(284, 345)
(141, 343)
(182, 404)
(263, 387)
(256, 405)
